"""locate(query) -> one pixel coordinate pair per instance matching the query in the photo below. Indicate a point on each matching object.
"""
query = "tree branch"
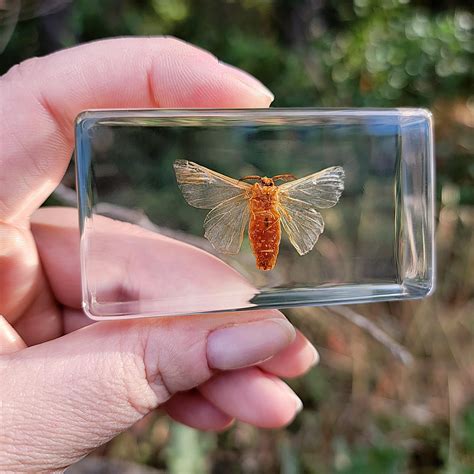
(67, 196)
(400, 352)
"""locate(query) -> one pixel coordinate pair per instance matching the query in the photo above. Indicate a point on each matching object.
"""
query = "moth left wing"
(226, 197)
(301, 222)
(204, 188)
(225, 224)
(322, 189)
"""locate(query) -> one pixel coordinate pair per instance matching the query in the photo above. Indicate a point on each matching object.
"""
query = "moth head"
(266, 181)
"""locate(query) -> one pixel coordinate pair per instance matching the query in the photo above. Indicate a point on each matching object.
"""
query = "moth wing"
(322, 189)
(204, 188)
(301, 222)
(225, 224)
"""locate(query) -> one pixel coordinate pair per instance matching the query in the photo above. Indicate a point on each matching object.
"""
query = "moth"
(263, 205)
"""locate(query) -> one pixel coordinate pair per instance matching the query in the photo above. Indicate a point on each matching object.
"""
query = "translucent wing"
(301, 222)
(298, 199)
(321, 190)
(228, 198)
(225, 224)
(204, 188)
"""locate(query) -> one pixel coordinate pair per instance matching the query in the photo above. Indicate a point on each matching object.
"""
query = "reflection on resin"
(262, 206)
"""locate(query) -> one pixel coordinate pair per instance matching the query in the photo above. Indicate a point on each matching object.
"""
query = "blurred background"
(394, 392)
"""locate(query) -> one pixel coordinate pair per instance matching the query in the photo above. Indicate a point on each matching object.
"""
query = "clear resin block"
(169, 227)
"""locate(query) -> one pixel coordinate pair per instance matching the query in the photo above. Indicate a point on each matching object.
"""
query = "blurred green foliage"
(187, 451)
(385, 53)
(332, 54)
(369, 459)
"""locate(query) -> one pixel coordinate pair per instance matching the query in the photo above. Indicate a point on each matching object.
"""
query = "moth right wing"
(204, 188)
(298, 200)
(301, 222)
(322, 189)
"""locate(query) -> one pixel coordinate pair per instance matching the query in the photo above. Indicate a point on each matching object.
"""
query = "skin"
(68, 386)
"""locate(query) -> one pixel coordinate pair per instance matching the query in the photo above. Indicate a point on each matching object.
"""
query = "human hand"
(78, 384)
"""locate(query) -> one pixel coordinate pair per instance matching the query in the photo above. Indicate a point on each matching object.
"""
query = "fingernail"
(248, 80)
(316, 357)
(298, 404)
(289, 391)
(247, 344)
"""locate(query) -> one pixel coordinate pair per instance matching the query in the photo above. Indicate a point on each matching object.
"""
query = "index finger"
(40, 98)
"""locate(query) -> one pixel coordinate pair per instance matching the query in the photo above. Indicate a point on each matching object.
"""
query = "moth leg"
(277, 218)
(273, 224)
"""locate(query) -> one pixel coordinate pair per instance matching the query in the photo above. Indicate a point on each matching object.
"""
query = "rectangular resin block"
(165, 214)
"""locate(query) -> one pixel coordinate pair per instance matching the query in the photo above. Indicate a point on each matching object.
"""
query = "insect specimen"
(264, 206)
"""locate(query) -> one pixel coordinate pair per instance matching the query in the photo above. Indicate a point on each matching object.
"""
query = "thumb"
(65, 397)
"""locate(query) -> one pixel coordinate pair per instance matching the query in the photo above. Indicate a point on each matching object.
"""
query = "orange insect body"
(264, 223)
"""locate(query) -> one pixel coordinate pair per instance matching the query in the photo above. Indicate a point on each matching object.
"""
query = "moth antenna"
(284, 177)
(245, 178)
